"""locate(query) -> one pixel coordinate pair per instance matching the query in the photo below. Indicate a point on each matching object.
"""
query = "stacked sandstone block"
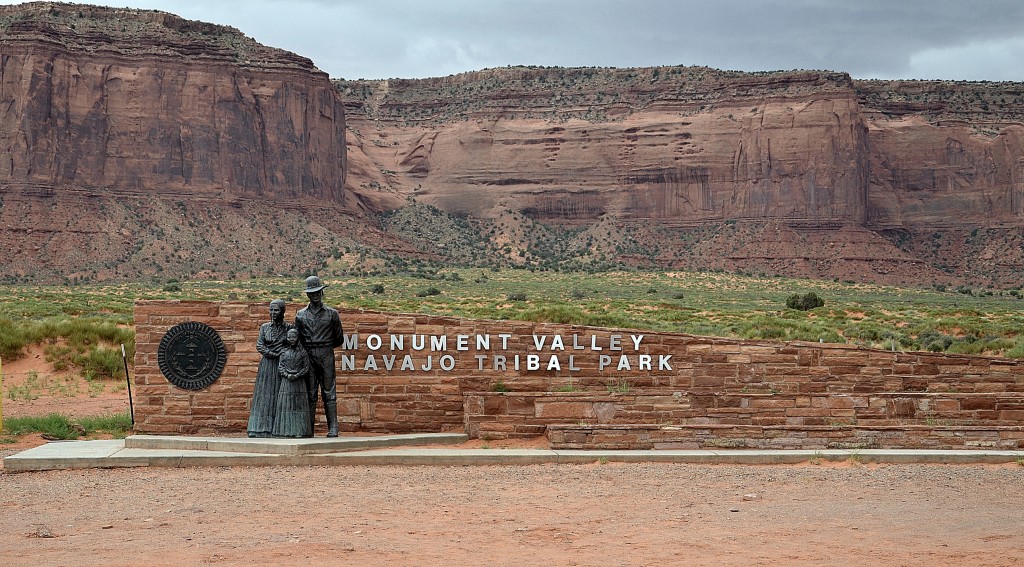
(717, 392)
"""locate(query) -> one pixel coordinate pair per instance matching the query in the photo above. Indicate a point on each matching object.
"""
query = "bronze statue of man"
(319, 329)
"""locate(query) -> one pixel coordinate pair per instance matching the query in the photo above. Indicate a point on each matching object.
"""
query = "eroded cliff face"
(944, 153)
(842, 176)
(165, 106)
(651, 165)
(924, 175)
(731, 147)
(696, 144)
(100, 105)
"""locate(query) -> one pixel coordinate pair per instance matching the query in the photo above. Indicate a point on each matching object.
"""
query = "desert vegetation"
(589, 93)
(594, 94)
(59, 426)
(82, 326)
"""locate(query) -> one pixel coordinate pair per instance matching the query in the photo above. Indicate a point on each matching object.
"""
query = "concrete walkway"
(163, 451)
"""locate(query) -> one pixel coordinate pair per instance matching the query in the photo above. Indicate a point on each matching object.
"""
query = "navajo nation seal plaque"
(191, 355)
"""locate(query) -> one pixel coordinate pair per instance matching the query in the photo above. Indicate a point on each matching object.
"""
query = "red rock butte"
(133, 102)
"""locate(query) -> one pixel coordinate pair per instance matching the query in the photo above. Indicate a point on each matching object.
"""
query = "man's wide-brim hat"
(313, 284)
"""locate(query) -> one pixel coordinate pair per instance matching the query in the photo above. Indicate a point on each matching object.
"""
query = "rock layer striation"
(855, 172)
(101, 104)
(148, 102)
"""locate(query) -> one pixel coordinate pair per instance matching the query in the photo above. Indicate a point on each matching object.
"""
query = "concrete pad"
(226, 451)
(280, 446)
(184, 458)
(64, 455)
(167, 442)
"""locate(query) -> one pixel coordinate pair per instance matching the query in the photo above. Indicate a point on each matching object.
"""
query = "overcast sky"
(375, 39)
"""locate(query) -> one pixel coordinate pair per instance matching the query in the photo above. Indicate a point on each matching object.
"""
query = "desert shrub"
(981, 345)
(516, 296)
(556, 313)
(934, 341)
(12, 339)
(805, 302)
(776, 328)
(83, 335)
(1017, 351)
(866, 331)
(101, 362)
(377, 288)
(428, 292)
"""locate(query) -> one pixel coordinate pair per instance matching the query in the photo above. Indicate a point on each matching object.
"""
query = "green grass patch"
(54, 425)
(59, 426)
(116, 424)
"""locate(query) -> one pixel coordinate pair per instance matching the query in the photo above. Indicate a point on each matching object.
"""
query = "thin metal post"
(131, 406)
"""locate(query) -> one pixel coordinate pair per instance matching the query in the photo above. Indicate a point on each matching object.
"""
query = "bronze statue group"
(297, 367)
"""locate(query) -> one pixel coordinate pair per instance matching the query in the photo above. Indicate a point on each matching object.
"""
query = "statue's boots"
(331, 409)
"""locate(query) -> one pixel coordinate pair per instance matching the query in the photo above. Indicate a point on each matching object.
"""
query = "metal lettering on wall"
(191, 355)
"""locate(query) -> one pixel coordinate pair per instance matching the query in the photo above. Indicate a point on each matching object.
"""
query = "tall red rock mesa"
(136, 143)
(147, 102)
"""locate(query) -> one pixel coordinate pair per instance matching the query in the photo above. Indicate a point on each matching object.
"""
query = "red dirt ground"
(598, 514)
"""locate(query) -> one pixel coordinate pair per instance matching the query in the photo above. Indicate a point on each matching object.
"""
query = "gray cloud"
(949, 39)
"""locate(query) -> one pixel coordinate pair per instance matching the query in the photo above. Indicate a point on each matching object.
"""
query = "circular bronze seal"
(191, 355)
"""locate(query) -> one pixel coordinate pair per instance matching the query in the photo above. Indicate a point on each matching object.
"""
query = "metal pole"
(131, 406)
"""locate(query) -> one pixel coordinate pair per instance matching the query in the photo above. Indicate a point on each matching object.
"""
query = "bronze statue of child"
(292, 415)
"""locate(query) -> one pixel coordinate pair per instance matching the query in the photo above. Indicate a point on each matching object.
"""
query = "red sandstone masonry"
(742, 393)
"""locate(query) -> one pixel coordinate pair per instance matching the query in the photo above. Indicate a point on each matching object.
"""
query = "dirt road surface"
(599, 514)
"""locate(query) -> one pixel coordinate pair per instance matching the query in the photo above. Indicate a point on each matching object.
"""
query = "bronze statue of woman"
(271, 343)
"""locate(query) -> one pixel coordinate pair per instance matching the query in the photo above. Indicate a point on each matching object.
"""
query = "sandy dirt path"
(599, 514)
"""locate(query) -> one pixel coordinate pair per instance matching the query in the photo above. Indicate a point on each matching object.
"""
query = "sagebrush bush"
(805, 302)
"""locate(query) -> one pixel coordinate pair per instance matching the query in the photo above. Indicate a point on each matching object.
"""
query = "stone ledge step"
(771, 437)
(279, 446)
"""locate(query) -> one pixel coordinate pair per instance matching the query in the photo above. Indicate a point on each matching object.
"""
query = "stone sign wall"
(590, 387)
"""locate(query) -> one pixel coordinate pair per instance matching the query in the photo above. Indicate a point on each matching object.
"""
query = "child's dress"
(292, 416)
